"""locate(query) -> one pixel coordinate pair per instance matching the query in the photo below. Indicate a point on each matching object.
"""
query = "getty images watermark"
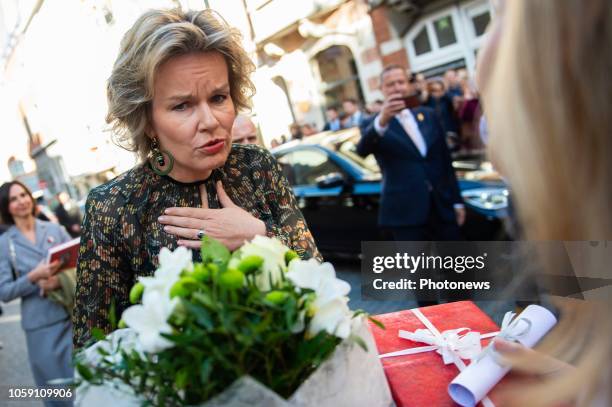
(419, 263)
(483, 270)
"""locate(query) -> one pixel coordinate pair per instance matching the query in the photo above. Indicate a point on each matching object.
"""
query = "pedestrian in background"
(375, 107)
(244, 131)
(420, 199)
(453, 85)
(333, 120)
(3, 228)
(296, 132)
(469, 116)
(354, 115)
(24, 274)
(438, 99)
(68, 214)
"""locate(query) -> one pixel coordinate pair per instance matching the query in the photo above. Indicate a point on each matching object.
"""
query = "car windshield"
(473, 167)
(346, 146)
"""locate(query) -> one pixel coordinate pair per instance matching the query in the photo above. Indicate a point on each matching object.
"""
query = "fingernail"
(161, 218)
(166, 228)
(506, 346)
(167, 211)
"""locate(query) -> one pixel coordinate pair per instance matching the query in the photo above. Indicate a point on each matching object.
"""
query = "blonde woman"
(173, 95)
(545, 78)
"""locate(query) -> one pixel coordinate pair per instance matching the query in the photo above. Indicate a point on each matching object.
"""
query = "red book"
(67, 253)
(422, 379)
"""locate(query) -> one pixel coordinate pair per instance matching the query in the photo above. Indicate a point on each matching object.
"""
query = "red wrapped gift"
(422, 379)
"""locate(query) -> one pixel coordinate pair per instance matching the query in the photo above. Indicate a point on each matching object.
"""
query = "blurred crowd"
(453, 97)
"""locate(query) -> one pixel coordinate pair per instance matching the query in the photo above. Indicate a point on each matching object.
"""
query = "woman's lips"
(213, 148)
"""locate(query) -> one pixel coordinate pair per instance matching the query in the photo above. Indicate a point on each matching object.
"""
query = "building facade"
(313, 54)
(431, 36)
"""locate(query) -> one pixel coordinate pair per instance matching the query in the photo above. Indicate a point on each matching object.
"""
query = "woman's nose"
(206, 118)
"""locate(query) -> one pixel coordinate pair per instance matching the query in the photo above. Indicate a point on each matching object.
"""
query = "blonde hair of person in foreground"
(545, 75)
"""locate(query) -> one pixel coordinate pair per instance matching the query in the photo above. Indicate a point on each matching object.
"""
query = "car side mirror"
(333, 180)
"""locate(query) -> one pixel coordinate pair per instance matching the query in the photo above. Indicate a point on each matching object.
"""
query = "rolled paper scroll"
(474, 382)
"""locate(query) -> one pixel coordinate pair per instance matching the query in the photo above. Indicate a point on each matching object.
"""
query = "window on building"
(445, 31)
(421, 42)
(481, 22)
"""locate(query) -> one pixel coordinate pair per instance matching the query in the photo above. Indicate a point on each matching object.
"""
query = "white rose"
(272, 251)
(150, 320)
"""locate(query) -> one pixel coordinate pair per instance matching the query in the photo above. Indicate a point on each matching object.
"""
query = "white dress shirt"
(406, 119)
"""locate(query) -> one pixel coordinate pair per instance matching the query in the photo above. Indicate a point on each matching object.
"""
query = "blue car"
(338, 191)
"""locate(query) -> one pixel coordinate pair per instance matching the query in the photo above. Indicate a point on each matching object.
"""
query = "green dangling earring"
(159, 160)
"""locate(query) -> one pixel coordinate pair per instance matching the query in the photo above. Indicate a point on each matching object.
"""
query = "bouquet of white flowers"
(259, 312)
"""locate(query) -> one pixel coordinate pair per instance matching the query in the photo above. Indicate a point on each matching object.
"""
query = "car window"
(305, 166)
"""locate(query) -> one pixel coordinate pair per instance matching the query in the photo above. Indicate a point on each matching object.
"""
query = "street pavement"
(14, 366)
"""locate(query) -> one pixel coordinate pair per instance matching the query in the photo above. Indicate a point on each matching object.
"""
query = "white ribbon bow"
(512, 329)
(451, 344)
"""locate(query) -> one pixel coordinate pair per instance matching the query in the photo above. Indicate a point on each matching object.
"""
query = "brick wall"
(398, 57)
(380, 24)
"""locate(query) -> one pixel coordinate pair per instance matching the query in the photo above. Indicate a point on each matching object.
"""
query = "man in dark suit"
(333, 120)
(420, 197)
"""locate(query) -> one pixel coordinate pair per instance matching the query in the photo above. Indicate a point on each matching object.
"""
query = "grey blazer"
(36, 311)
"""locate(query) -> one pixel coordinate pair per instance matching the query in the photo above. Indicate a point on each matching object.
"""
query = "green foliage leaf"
(359, 341)
(97, 334)
(182, 377)
(377, 322)
(201, 315)
(85, 373)
(205, 370)
(214, 251)
(112, 315)
(204, 299)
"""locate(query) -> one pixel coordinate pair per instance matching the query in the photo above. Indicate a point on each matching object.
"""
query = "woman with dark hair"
(23, 273)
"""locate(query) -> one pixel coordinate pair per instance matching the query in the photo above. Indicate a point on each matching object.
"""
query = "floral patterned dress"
(121, 236)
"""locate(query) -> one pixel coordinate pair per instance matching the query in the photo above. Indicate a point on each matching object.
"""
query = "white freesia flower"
(334, 317)
(331, 314)
(321, 278)
(272, 251)
(150, 320)
(170, 266)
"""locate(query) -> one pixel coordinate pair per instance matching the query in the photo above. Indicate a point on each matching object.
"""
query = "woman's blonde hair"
(155, 37)
(549, 102)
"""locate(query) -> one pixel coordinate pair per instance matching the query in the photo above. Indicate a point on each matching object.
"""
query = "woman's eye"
(180, 107)
(219, 98)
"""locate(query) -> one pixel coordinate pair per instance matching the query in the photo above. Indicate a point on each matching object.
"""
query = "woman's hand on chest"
(230, 224)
